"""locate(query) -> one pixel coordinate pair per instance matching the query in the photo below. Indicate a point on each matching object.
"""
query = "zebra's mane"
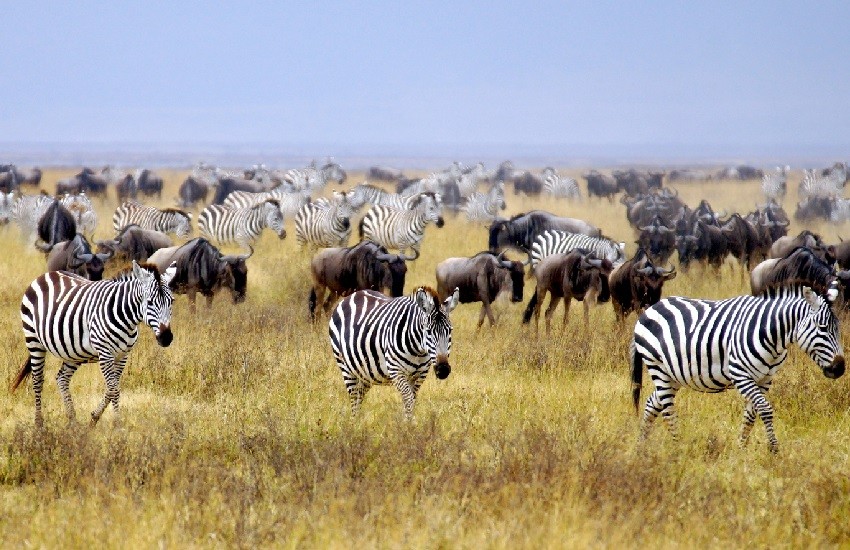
(176, 211)
(429, 290)
(127, 273)
(785, 289)
(125, 229)
(273, 202)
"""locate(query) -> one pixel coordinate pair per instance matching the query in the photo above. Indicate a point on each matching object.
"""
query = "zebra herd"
(708, 346)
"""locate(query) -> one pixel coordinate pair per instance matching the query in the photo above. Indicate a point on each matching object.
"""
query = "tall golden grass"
(239, 433)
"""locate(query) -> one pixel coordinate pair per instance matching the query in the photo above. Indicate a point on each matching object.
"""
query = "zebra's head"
(438, 327)
(157, 299)
(274, 217)
(818, 333)
(182, 222)
(431, 205)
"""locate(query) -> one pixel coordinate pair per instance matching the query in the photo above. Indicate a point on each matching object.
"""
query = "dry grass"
(239, 434)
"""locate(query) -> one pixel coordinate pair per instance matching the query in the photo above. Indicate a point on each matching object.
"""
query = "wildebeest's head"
(516, 273)
(395, 272)
(233, 274)
(648, 279)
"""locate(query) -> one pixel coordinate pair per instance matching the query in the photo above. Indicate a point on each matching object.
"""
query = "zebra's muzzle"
(442, 369)
(165, 336)
(836, 369)
(440, 222)
(282, 234)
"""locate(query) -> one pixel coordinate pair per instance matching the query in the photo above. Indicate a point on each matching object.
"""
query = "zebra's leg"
(356, 391)
(37, 369)
(63, 380)
(408, 394)
(659, 401)
(111, 368)
(757, 403)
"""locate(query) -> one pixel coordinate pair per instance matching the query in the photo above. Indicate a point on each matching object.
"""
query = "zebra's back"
(562, 242)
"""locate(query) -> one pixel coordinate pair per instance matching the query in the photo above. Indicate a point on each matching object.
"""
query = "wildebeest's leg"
(209, 297)
(481, 315)
(330, 301)
(754, 394)
(317, 297)
(553, 303)
(190, 294)
(408, 395)
(63, 380)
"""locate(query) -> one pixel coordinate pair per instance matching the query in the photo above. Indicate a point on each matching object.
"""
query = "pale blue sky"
(749, 77)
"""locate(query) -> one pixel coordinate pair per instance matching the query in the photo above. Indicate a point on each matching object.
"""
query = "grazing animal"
(81, 321)
(56, 225)
(480, 279)
(637, 284)
(784, 245)
(134, 243)
(801, 265)
(312, 178)
(76, 257)
(126, 188)
(520, 231)
(28, 210)
(83, 211)
(169, 220)
(707, 243)
(378, 340)
(227, 185)
(561, 187)
(364, 266)
(561, 242)
(7, 201)
(711, 346)
(577, 274)
(600, 185)
(290, 201)
(402, 229)
(658, 240)
(240, 225)
(201, 267)
(482, 207)
(326, 223)
(149, 183)
(192, 191)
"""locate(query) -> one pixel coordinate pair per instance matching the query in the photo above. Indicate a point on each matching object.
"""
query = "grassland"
(239, 433)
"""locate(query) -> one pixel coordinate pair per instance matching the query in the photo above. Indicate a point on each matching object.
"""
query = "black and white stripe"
(290, 201)
(711, 346)
(379, 340)
(80, 206)
(325, 223)
(169, 220)
(242, 226)
(81, 321)
(561, 187)
(27, 210)
(483, 207)
(555, 241)
(402, 229)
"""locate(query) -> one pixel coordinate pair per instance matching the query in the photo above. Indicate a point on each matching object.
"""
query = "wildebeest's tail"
(529, 310)
(637, 374)
(312, 303)
(25, 371)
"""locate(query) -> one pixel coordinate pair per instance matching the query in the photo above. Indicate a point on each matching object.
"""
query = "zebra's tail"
(360, 227)
(25, 371)
(637, 375)
(529, 310)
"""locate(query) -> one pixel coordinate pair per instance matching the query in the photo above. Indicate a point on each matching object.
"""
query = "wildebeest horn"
(840, 239)
(645, 270)
(664, 229)
(103, 256)
(662, 271)
(843, 275)
(722, 214)
(507, 264)
(246, 256)
(595, 263)
(384, 257)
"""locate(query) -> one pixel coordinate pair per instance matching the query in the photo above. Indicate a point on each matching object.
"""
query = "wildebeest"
(201, 267)
(743, 240)
(577, 275)
(341, 271)
(600, 185)
(384, 173)
(149, 183)
(134, 243)
(636, 284)
(56, 225)
(658, 240)
(126, 188)
(480, 279)
(192, 191)
(12, 177)
(801, 265)
(706, 243)
(520, 231)
(228, 185)
(76, 256)
(784, 245)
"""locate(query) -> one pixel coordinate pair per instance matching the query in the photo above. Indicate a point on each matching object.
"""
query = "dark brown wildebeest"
(384, 173)
(56, 225)
(520, 231)
(76, 256)
(149, 183)
(631, 182)
(578, 275)
(600, 185)
(192, 191)
(480, 279)
(636, 284)
(658, 240)
(784, 245)
(126, 188)
(801, 265)
(342, 271)
(706, 243)
(134, 243)
(228, 185)
(201, 267)
(742, 238)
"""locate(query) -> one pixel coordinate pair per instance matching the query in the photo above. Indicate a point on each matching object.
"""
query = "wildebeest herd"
(796, 280)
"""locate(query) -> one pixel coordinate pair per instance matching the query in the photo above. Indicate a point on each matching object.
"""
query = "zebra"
(27, 210)
(482, 207)
(402, 229)
(364, 193)
(561, 187)
(80, 206)
(711, 346)
(378, 340)
(240, 225)
(290, 201)
(555, 241)
(312, 178)
(80, 321)
(7, 202)
(774, 185)
(325, 223)
(168, 220)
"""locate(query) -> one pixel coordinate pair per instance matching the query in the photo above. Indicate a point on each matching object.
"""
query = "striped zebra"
(80, 321)
(242, 226)
(483, 207)
(774, 185)
(561, 187)
(555, 241)
(80, 206)
(290, 200)
(168, 220)
(711, 346)
(366, 193)
(378, 340)
(7, 201)
(314, 179)
(402, 229)
(27, 211)
(325, 223)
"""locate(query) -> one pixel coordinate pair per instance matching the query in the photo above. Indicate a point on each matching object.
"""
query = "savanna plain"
(239, 433)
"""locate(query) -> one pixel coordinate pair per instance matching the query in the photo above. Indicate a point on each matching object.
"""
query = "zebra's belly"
(380, 369)
(705, 374)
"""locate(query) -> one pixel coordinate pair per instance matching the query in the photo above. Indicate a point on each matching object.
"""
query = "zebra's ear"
(169, 273)
(138, 272)
(451, 302)
(811, 297)
(424, 300)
